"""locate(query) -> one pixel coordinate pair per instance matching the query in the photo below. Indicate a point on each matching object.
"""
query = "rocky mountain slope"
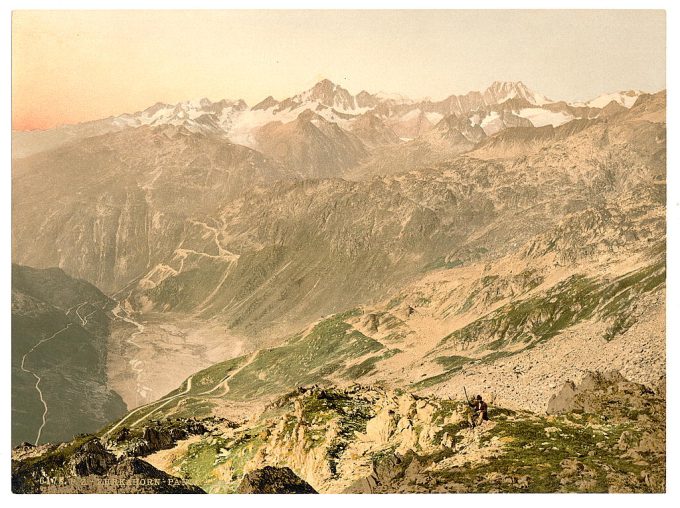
(110, 207)
(311, 144)
(499, 327)
(59, 350)
(159, 175)
(328, 245)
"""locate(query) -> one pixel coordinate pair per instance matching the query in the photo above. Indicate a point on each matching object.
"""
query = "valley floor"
(148, 354)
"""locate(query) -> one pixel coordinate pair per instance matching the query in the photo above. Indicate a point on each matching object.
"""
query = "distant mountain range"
(501, 105)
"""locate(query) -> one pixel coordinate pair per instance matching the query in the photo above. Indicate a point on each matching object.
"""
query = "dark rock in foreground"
(86, 467)
(274, 480)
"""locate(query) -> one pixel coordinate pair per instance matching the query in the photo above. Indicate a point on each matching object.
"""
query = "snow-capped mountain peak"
(503, 104)
(329, 94)
(501, 91)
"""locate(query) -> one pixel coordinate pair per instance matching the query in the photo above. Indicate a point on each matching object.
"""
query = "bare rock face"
(381, 428)
(563, 401)
(274, 480)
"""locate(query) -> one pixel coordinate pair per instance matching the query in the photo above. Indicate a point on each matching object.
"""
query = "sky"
(74, 66)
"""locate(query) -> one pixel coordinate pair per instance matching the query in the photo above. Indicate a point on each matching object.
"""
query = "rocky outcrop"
(609, 437)
(160, 436)
(85, 466)
(368, 440)
(91, 459)
(274, 480)
(607, 393)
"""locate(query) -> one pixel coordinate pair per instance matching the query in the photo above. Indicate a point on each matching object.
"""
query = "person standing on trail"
(480, 411)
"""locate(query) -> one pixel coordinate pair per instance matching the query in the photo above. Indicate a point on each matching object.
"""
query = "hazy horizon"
(76, 66)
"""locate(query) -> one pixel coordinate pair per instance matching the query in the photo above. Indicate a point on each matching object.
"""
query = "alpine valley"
(298, 296)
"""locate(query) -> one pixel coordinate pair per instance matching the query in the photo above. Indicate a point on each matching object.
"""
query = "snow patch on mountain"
(492, 123)
(540, 117)
(393, 97)
(626, 99)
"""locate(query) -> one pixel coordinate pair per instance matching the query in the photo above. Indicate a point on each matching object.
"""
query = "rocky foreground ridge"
(606, 434)
(85, 466)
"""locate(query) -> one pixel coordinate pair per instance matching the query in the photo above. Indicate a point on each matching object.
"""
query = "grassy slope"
(71, 365)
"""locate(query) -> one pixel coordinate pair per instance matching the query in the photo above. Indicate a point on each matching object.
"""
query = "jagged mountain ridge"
(234, 120)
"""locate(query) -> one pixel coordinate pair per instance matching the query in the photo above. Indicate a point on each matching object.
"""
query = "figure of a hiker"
(479, 411)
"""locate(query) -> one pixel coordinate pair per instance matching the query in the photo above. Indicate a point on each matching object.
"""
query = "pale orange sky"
(73, 66)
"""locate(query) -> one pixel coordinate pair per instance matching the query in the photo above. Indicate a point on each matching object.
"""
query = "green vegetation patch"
(211, 377)
(305, 361)
(435, 380)
(369, 365)
(539, 451)
(452, 362)
(441, 263)
(216, 463)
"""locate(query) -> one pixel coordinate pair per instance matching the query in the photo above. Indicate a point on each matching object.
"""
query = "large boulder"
(91, 458)
(274, 480)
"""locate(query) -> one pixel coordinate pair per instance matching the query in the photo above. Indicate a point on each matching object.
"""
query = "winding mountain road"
(163, 402)
(83, 319)
(39, 379)
(223, 383)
